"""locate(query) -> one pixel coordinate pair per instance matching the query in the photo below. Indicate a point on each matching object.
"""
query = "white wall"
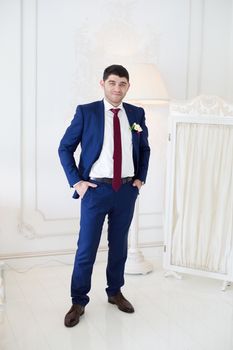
(52, 57)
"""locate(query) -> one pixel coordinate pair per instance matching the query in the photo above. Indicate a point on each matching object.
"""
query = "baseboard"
(28, 260)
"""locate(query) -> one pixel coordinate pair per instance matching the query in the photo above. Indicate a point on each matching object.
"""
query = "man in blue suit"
(112, 168)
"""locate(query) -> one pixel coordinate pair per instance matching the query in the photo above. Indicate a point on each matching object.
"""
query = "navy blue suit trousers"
(118, 207)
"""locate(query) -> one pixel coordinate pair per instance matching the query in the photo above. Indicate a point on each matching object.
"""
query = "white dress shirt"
(103, 167)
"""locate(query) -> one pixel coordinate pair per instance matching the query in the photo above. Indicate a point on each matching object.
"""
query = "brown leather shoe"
(73, 315)
(122, 304)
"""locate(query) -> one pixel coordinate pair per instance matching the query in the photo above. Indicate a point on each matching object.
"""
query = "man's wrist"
(142, 182)
(77, 183)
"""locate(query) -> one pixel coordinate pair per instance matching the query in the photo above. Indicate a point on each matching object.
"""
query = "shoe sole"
(122, 309)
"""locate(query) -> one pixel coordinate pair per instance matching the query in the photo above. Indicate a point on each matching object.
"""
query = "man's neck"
(113, 104)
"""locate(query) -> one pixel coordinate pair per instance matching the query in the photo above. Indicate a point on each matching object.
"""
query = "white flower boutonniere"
(136, 127)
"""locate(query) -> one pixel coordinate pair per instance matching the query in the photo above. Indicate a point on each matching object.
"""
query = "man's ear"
(102, 83)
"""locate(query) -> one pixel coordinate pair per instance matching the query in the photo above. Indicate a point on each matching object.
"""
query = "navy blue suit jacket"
(87, 129)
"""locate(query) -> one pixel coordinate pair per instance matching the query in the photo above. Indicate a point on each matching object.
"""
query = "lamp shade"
(146, 84)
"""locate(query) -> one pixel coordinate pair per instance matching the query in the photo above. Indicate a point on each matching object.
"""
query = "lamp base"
(136, 264)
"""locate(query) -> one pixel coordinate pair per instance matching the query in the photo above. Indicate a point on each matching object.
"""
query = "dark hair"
(116, 69)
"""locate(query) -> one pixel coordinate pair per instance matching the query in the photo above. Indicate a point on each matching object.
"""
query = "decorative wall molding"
(203, 105)
(26, 230)
(34, 222)
(196, 18)
(63, 252)
(189, 14)
(29, 232)
(188, 26)
(200, 71)
(31, 217)
(230, 79)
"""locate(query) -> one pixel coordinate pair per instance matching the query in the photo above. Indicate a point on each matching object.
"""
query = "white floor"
(188, 314)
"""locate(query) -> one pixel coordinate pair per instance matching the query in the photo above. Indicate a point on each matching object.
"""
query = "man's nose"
(117, 88)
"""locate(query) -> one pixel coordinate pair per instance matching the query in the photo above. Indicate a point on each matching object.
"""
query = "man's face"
(115, 89)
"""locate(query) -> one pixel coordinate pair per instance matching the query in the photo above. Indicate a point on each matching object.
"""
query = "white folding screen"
(199, 200)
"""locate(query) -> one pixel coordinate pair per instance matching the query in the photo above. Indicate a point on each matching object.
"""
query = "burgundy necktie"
(117, 155)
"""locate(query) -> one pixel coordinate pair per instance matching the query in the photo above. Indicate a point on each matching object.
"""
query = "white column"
(2, 291)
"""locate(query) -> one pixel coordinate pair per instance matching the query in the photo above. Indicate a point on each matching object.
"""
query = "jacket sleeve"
(144, 150)
(68, 145)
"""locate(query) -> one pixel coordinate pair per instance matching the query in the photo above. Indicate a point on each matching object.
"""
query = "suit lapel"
(130, 114)
(132, 119)
(99, 114)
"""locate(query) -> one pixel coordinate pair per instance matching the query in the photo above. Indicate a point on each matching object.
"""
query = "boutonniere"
(136, 127)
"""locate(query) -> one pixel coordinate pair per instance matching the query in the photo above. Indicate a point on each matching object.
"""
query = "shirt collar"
(108, 106)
